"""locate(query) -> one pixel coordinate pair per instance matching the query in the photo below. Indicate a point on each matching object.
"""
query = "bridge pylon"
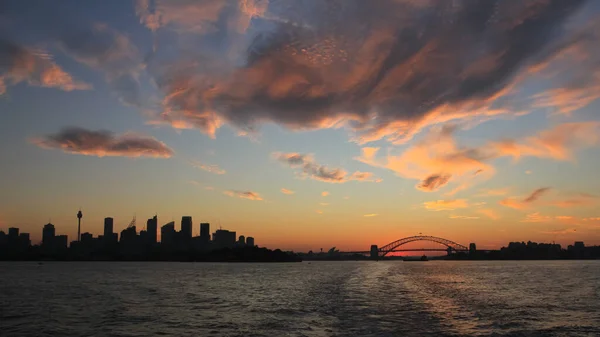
(374, 252)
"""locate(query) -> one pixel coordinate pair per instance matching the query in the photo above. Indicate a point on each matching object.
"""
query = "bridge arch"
(383, 251)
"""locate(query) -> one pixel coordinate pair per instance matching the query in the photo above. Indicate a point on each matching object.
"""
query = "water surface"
(435, 298)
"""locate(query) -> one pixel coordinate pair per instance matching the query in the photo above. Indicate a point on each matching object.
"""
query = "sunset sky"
(306, 124)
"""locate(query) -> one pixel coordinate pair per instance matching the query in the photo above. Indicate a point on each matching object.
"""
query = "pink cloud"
(445, 205)
(527, 201)
(36, 67)
(309, 168)
(490, 213)
(244, 195)
(437, 160)
(209, 168)
(104, 143)
(286, 191)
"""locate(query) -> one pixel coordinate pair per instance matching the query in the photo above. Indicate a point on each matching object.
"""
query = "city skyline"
(289, 121)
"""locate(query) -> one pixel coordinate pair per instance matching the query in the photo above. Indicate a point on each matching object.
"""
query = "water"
(435, 298)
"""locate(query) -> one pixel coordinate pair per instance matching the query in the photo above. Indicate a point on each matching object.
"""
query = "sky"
(305, 124)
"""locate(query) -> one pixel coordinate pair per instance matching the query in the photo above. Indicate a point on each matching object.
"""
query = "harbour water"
(391, 298)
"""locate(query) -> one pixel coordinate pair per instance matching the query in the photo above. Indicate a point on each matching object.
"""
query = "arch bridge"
(451, 246)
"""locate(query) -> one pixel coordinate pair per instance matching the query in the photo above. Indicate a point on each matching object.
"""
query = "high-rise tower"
(79, 216)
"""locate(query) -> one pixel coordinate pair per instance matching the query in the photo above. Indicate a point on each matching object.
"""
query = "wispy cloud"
(445, 205)
(463, 217)
(579, 199)
(324, 203)
(36, 67)
(319, 212)
(243, 194)
(370, 215)
(196, 183)
(324, 193)
(104, 143)
(207, 167)
(527, 201)
(490, 213)
(286, 191)
(562, 201)
(494, 192)
(309, 168)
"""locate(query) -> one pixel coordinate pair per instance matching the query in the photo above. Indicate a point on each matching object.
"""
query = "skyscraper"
(108, 228)
(167, 234)
(13, 232)
(205, 231)
(151, 229)
(223, 238)
(250, 241)
(186, 228)
(48, 234)
(242, 240)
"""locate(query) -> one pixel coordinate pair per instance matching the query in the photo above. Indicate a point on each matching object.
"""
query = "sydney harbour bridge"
(396, 246)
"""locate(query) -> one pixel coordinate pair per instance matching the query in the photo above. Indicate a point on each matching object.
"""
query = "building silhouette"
(224, 239)
(48, 234)
(205, 232)
(151, 229)
(186, 228)
(108, 228)
(167, 234)
(129, 244)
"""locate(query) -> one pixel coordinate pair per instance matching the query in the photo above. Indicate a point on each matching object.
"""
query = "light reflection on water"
(435, 298)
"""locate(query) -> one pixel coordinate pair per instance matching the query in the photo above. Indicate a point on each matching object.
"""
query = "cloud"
(196, 183)
(561, 231)
(309, 168)
(308, 65)
(537, 217)
(579, 199)
(104, 48)
(490, 213)
(199, 17)
(79, 37)
(434, 182)
(573, 200)
(463, 217)
(535, 195)
(526, 202)
(557, 143)
(437, 160)
(324, 193)
(209, 168)
(243, 194)
(494, 192)
(528, 172)
(319, 212)
(36, 67)
(445, 205)
(286, 191)
(370, 215)
(104, 143)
